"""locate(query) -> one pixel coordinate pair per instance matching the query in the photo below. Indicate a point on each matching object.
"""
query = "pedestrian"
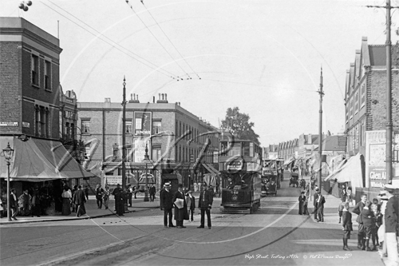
(13, 204)
(166, 198)
(302, 203)
(130, 195)
(180, 205)
(381, 231)
(346, 225)
(391, 223)
(153, 190)
(86, 190)
(24, 202)
(368, 220)
(377, 224)
(320, 207)
(205, 204)
(118, 196)
(190, 199)
(341, 208)
(66, 201)
(79, 200)
(75, 188)
(358, 210)
(99, 195)
(315, 201)
(106, 197)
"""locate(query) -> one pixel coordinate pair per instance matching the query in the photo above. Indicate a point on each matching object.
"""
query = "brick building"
(365, 94)
(365, 105)
(30, 110)
(174, 137)
(29, 99)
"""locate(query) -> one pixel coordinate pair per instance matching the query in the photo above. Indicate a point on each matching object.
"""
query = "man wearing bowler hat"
(166, 198)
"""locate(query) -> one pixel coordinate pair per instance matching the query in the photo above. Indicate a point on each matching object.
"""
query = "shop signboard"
(375, 158)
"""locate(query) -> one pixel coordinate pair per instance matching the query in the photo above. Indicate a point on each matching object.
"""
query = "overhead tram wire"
(174, 60)
(113, 43)
(159, 26)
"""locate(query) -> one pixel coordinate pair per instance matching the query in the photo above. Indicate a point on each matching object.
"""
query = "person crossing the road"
(205, 204)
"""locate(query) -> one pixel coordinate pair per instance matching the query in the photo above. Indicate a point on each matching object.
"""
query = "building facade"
(365, 94)
(366, 109)
(29, 100)
(178, 142)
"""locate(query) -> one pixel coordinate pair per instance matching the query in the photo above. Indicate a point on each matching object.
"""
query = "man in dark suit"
(205, 204)
(166, 198)
(79, 199)
(13, 204)
(320, 207)
(315, 198)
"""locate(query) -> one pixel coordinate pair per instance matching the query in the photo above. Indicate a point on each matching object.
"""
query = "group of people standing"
(184, 205)
(377, 222)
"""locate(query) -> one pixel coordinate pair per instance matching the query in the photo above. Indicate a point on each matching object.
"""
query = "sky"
(264, 56)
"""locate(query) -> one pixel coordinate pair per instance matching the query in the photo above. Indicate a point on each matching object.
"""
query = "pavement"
(331, 218)
(92, 211)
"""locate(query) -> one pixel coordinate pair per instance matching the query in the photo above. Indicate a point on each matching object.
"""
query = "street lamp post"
(146, 161)
(7, 153)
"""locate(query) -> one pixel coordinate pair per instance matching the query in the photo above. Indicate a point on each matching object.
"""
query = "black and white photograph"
(199, 132)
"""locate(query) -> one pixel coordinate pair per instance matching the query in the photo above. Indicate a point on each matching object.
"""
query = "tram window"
(245, 148)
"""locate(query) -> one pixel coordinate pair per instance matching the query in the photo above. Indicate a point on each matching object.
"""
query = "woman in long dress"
(66, 201)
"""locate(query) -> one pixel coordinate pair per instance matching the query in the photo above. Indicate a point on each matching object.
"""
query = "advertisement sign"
(142, 123)
(235, 165)
(377, 177)
(375, 158)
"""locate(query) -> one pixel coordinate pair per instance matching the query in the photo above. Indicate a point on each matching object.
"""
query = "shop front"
(39, 166)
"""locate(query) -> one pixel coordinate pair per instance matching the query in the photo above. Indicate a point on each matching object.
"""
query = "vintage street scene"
(199, 132)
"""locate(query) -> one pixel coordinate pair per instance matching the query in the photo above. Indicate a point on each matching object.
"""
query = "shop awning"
(349, 171)
(38, 160)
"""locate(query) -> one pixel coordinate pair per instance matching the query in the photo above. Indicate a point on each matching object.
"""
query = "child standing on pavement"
(341, 208)
(346, 225)
(378, 222)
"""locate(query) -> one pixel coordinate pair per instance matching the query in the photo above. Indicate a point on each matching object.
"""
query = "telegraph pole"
(388, 46)
(321, 93)
(123, 135)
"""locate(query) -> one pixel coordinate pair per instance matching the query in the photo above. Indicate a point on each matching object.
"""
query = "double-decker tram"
(240, 168)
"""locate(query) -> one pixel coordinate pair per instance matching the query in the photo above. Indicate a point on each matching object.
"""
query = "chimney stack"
(134, 98)
(162, 98)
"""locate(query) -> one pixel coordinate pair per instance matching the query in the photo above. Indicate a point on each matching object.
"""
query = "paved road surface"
(275, 235)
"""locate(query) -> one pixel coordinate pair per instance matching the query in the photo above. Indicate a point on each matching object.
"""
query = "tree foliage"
(239, 126)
